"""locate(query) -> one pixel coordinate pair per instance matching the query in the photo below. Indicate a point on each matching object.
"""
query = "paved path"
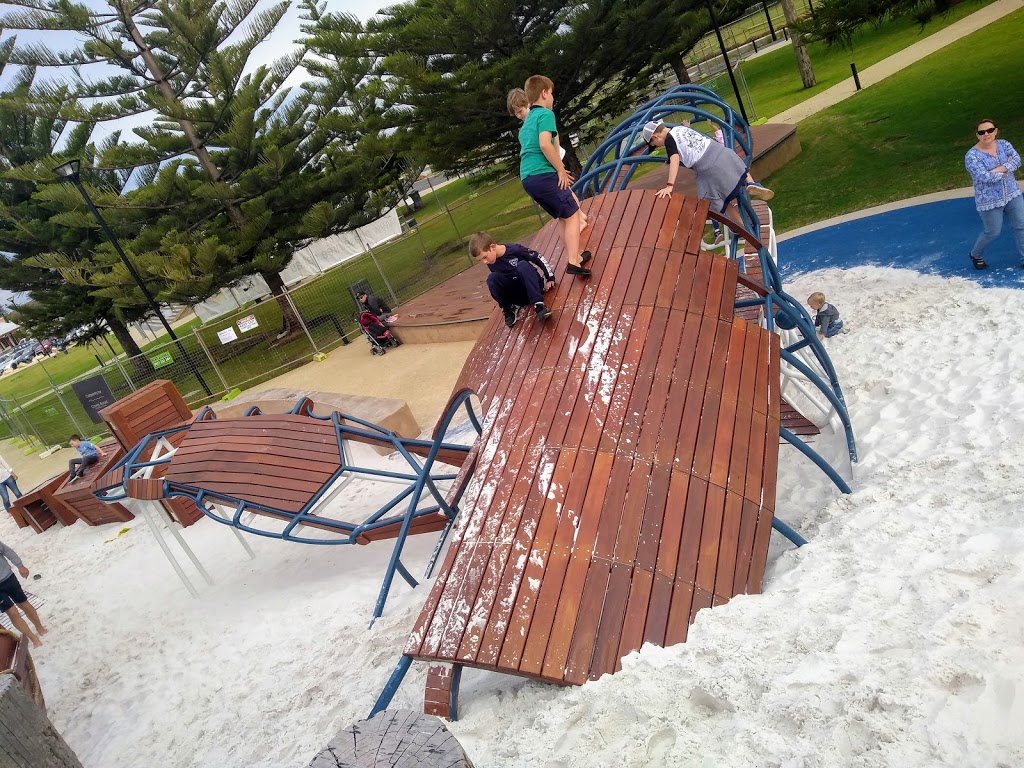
(890, 66)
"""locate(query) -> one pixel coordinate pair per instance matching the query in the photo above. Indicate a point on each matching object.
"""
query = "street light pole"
(725, 56)
(69, 172)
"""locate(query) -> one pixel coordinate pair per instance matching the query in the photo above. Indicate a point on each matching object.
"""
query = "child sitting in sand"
(826, 318)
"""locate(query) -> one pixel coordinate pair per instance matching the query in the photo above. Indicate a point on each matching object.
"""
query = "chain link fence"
(269, 336)
(743, 37)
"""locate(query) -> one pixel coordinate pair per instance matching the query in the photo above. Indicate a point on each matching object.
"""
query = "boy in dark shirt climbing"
(513, 280)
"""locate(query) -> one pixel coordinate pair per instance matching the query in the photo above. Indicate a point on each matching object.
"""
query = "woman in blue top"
(991, 163)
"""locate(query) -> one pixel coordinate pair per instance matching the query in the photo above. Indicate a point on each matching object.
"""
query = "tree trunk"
(681, 72)
(803, 60)
(201, 153)
(291, 325)
(570, 160)
(140, 364)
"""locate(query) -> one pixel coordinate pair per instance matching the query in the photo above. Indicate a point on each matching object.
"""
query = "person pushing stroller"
(513, 280)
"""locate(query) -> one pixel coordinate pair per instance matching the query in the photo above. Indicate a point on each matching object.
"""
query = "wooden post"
(27, 737)
(395, 737)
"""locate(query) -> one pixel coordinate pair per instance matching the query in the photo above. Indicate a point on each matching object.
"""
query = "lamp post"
(725, 56)
(69, 172)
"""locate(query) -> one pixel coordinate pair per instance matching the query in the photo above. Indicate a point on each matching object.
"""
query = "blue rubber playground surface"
(933, 238)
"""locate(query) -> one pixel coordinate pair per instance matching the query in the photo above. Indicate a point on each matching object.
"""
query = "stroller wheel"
(378, 350)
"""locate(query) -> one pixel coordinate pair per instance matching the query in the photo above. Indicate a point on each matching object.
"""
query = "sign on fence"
(94, 394)
(159, 361)
(247, 323)
(227, 335)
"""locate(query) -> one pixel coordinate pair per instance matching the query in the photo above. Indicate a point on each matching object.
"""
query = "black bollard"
(856, 77)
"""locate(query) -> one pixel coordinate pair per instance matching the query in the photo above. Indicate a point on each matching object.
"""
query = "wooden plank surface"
(625, 475)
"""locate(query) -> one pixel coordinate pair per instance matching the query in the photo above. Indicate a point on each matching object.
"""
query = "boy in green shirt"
(541, 171)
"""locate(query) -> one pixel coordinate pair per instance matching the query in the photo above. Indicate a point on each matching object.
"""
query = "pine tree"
(29, 229)
(241, 169)
(803, 59)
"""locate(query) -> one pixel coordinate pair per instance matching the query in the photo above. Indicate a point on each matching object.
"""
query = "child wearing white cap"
(720, 173)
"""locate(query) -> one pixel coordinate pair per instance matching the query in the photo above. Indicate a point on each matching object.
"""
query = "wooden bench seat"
(625, 477)
(37, 508)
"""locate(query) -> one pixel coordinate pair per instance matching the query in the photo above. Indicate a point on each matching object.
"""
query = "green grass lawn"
(774, 80)
(412, 263)
(907, 135)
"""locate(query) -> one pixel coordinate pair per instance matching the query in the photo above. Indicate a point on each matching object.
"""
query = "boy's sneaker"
(510, 316)
(719, 243)
(759, 190)
(73, 479)
(543, 313)
(572, 269)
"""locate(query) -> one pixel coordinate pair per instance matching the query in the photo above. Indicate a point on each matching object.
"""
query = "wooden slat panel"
(622, 479)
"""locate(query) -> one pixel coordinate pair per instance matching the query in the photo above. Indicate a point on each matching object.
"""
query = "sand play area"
(894, 638)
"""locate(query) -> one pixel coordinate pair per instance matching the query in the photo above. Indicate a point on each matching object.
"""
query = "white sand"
(895, 638)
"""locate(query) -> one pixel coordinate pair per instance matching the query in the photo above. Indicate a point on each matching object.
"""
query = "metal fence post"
(123, 372)
(56, 391)
(213, 364)
(28, 421)
(373, 256)
(302, 321)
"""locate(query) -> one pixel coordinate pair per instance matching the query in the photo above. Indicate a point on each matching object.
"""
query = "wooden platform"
(626, 472)
(456, 310)
(77, 498)
(37, 508)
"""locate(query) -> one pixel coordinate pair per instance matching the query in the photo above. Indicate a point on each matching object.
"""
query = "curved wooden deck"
(625, 476)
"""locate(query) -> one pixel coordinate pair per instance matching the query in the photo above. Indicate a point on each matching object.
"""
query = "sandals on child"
(978, 262)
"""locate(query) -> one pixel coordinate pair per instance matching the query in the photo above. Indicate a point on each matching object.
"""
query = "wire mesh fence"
(271, 335)
(742, 37)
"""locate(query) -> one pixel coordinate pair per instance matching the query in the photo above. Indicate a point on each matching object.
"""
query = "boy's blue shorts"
(543, 188)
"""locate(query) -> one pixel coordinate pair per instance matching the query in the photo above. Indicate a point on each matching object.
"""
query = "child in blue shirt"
(90, 454)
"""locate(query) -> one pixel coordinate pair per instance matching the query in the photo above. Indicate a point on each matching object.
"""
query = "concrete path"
(901, 60)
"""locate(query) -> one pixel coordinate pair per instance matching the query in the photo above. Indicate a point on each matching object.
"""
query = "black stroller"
(377, 334)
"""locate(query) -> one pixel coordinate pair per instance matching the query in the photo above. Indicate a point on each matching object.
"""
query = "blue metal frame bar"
(787, 531)
(453, 694)
(810, 453)
(391, 686)
(419, 479)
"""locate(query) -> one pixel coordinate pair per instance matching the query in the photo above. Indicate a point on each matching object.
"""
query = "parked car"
(43, 347)
(27, 356)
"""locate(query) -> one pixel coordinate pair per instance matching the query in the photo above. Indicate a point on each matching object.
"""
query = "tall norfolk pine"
(243, 170)
(442, 67)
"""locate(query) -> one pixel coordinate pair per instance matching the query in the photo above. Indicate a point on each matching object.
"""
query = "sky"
(277, 45)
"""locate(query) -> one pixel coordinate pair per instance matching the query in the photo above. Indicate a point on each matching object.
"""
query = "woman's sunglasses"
(983, 131)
